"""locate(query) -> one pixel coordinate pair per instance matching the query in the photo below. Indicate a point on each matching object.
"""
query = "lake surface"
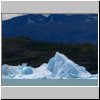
(49, 82)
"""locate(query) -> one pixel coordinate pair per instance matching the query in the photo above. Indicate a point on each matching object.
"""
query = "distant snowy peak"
(40, 19)
(46, 15)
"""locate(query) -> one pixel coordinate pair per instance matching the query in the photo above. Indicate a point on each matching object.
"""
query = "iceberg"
(61, 65)
(58, 67)
(27, 70)
(10, 71)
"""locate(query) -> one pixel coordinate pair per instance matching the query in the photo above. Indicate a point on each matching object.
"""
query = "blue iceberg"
(27, 70)
(58, 67)
(62, 66)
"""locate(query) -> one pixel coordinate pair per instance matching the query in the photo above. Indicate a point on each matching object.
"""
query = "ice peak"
(63, 66)
(57, 53)
(61, 56)
(59, 62)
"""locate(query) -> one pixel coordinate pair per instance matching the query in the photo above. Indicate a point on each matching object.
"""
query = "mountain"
(58, 67)
(67, 28)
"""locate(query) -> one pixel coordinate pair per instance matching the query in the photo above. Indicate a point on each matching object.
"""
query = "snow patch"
(46, 15)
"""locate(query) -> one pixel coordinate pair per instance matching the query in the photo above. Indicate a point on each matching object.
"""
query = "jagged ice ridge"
(58, 67)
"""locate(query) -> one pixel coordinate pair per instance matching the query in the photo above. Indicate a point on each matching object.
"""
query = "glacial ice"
(10, 71)
(27, 70)
(58, 67)
(61, 65)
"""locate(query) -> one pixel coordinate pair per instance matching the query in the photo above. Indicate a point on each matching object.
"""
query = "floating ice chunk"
(4, 69)
(27, 70)
(22, 66)
(10, 71)
(93, 76)
(41, 72)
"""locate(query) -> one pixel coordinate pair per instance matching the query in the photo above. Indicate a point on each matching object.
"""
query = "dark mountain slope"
(77, 28)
